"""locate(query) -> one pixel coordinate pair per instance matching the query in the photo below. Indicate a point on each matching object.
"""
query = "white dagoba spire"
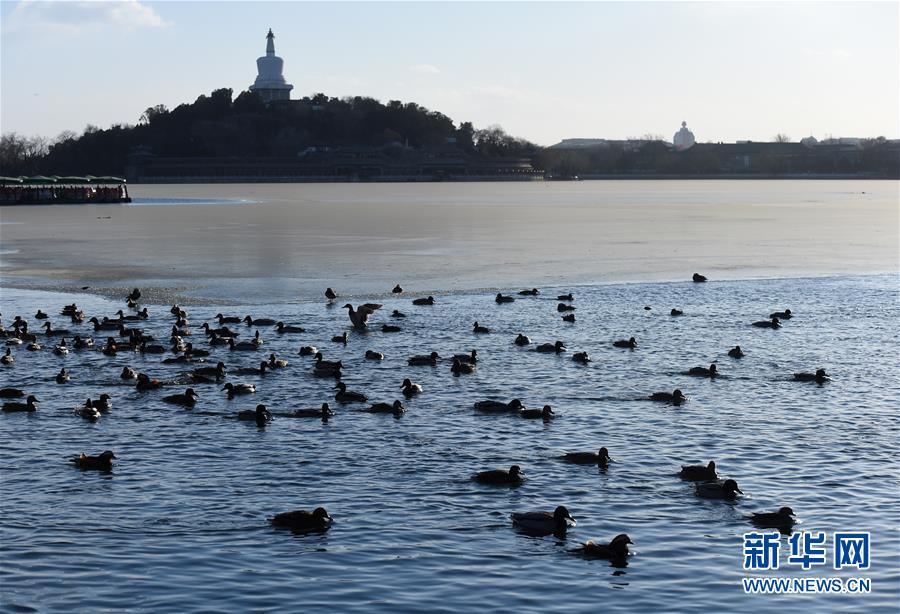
(270, 83)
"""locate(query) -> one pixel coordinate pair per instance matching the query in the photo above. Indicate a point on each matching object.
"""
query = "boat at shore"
(42, 190)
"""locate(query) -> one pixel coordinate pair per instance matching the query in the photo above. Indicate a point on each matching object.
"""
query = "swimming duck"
(727, 489)
(250, 321)
(477, 328)
(135, 295)
(61, 348)
(544, 414)
(711, 372)
(500, 476)
(622, 343)
(397, 314)
(223, 331)
(11, 393)
(342, 338)
(581, 357)
(348, 396)
(372, 355)
(783, 519)
(69, 309)
(111, 348)
(40, 315)
(462, 368)
(188, 399)
(330, 294)
(410, 389)
(615, 550)
(243, 346)
(281, 327)
(77, 317)
(236, 389)
(105, 325)
(736, 352)
(566, 297)
(773, 323)
(569, 317)
(218, 371)
(698, 278)
(102, 461)
(88, 411)
(62, 377)
(7, 359)
(82, 343)
(551, 348)
(676, 312)
(397, 289)
(228, 319)
(324, 364)
(128, 373)
(260, 370)
(471, 358)
(699, 473)
(27, 406)
(386, 408)
(522, 340)
(308, 350)
(532, 292)
(499, 406)
(360, 317)
(503, 299)
(141, 315)
(55, 331)
(328, 369)
(388, 328)
(302, 521)
(819, 376)
(557, 521)
(145, 383)
(782, 315)
(146, 348)
(563, 307)
(675, 397)
(424, 301)
(193, 352)
(600, 458)
(324, 413)
(430, 360)
(260, 415)
(277, 363)
(131, 303)
(13, 341)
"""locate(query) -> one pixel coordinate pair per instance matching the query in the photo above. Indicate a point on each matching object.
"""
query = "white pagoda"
(270, 84)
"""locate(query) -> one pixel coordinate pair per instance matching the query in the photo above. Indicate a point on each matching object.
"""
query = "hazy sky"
(544, 71)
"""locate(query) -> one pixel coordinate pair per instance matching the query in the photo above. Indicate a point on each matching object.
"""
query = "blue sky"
(542, 70)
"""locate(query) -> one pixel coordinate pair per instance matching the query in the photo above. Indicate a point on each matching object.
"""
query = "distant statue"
(683, 139)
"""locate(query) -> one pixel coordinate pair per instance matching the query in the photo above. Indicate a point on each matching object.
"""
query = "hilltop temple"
(270, 84)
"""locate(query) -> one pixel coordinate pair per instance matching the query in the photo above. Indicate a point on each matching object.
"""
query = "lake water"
(180, 524)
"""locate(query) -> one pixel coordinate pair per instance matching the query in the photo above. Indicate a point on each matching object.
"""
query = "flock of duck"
(124, 334)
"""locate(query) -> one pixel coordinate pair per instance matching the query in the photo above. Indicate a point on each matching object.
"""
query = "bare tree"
(781, 138)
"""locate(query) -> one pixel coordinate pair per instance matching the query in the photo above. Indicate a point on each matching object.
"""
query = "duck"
(622, 343)
(699, 473)
(698, 278)
(820, 377)
(330, 294)
(222, 331)
(11, 393)
(308, 350)
(303, 521)
(323, 364)
(61, 348)
(135, 295)
(581, 357)
(471, 358)
(615, 550)
(551, 348)
(243, 346)
(188, 399)
(277, 363)
(111, 348)
(103, 403)
(145, 383)
(569, 317)
(88, 411)
(566, 297)
(736, 352)
(676, 312)
(397, 314)
(324, 413)
(342, 338)
(782, 519)
(557, 521)
(544, 414)
(260, 415)
(218, 371)
(8, 358)
(13, 341)
(251, 321)
(104, 325)
(141, 315)
(191, 351)
(478, 329)
(720, 489)
(27, 406)
(782, 315)
(711, 372)
(236, 389)
(228, 319)
(260, 370)
(503, 299)
(373, 355)
(522, 340)
(63, 376)
(102, 461)
(360, 317)
(281, 327)
(500, 476)
(128, 373)
(82, 343)
(462, 368)
(69, 309)
(410, 389)
(324, 369)
(563, 307)
(430, 360)
(388, 328)
(498, 406)
(146, 348)
(348, 396)
(40, 315)
(424, 301)
(532, 292)
(675, 397)
(601, 457)
(386, 408)
(397, 290)
(773, 323)
(77, 317)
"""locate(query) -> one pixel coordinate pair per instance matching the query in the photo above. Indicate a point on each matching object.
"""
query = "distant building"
(683, 139)
(270, 84)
